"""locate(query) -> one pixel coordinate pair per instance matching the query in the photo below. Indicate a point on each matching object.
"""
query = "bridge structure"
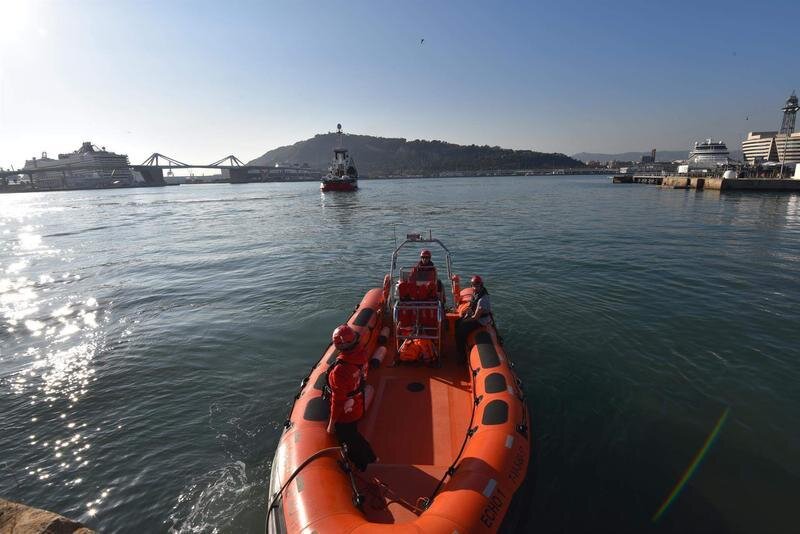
(152, 169)
(233, 170)
(157, 160)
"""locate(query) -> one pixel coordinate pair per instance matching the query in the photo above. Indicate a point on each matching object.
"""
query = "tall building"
(651, 158)
(782, 146)
(769, 146)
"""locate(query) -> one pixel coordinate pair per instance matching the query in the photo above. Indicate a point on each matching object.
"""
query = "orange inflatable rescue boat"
(452, 438)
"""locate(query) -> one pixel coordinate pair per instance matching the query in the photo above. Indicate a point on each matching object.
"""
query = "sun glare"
(14, 15)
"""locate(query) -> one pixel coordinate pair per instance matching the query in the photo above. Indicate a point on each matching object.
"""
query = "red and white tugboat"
(342, 174)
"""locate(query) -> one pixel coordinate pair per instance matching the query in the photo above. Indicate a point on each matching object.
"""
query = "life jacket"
(473, 302)
(413, 350)
(346, 394)
(424, 279)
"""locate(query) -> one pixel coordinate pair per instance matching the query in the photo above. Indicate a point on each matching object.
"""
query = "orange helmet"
(344, 337)
(476, 280)
(425, 253)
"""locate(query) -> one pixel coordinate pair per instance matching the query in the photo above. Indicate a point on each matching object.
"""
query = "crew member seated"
(349, 395)
(477, 315)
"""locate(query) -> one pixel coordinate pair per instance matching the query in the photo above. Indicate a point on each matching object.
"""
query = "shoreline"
(484, 174)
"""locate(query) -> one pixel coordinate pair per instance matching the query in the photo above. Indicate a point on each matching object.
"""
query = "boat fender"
(384, 336)
(377, 357)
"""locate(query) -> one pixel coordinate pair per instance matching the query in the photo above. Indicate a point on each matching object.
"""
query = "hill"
(385, 155)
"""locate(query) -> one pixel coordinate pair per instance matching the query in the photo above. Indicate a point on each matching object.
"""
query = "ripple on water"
(151, 340)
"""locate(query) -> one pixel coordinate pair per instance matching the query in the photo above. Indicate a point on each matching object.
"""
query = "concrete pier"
(714, 184)
(17, 518)
(638, 179)
(732, 184)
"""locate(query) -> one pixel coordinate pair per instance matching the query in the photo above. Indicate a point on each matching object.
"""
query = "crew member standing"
(425, 259)
(348, 393)
(477, 315)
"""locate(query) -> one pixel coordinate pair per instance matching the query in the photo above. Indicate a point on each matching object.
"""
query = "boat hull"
(456, 434)
(338, 185)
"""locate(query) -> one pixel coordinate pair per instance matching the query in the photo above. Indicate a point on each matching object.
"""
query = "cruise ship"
(89, 167)
(708, 154)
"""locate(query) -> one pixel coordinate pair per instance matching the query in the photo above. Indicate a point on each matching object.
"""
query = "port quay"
(712, 183)
(768, 161)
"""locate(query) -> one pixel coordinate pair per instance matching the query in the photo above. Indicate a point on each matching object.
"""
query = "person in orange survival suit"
(420, 273)
(349, 395)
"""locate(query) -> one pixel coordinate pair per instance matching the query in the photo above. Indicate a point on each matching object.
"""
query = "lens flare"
(692, 467)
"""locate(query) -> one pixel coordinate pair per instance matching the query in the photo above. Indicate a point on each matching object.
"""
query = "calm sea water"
(150, 341)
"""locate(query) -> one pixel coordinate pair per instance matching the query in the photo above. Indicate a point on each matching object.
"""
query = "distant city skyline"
(198, 80)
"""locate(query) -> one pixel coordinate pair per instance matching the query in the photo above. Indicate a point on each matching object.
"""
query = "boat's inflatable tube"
(495, 459)
(321, 481)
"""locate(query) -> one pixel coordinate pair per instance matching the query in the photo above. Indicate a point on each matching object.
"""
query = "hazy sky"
(200, 80)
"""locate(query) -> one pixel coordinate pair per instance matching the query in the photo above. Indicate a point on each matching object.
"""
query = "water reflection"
(340, 205)
(793, 210)
(655, 306)
(50, 335)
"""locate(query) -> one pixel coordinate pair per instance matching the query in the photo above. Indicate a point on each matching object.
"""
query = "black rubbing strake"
(317, 409)
(364, 316)
(495, 383)
(333, 357)
(486, 350)
(495, 413)
(321, 379)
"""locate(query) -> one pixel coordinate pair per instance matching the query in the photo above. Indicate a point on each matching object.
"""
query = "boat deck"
(416, 425)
